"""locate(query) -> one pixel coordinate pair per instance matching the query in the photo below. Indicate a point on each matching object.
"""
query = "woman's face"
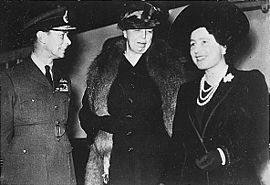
(205, 52)
(138, 40)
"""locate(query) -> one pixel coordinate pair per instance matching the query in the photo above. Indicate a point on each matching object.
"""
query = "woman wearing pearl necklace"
(220, 130)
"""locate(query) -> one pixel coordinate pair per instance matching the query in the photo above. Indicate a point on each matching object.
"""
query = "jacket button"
(132, 85)
(129, 116)
(130, 149)
(130, 100)
(128, 133)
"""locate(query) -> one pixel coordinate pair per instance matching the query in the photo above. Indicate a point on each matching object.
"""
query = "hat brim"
(223, 14)
(64, 28)
(137, 24)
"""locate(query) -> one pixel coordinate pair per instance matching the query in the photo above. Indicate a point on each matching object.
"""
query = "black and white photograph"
(128, 92)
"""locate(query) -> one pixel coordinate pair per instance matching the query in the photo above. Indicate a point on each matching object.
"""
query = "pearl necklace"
(201, 101)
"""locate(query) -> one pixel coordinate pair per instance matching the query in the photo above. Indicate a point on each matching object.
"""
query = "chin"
(62, 55)
(200, 67)
(142, 51)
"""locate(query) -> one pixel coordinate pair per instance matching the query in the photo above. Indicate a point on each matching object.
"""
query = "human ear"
(41, 36)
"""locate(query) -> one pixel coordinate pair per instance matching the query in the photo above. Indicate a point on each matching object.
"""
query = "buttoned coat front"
(34, 144)
(164, 66)
(235, 120)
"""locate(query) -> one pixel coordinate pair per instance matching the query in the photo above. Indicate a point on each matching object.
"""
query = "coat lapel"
(102, 84)
(220, 95)
(191, 106)
(35, 74)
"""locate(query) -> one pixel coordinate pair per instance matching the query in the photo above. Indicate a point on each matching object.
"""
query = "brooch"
(228, 78)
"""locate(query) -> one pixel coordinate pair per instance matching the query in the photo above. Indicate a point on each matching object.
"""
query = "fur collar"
(165, 65)
(162, 60)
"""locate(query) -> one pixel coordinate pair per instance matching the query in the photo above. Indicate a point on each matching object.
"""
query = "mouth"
(141, 43)
(200, 58)
(63, 50)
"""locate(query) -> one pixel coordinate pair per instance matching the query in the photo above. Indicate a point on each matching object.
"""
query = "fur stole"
(165, 66)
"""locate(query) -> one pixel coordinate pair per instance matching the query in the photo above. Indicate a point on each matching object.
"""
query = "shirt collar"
(40, 64)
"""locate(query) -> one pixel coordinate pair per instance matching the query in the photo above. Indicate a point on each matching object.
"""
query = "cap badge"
(138, 14)
(65, 17)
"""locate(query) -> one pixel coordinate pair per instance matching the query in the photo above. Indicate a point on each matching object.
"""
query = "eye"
(61, 36)
(204, 41)
(150, 31)
(192, 44)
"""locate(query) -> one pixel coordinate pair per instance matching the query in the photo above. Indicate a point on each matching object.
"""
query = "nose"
(67, 40)
(196, 48)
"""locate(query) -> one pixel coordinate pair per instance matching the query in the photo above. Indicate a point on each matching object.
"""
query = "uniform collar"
(40, 64)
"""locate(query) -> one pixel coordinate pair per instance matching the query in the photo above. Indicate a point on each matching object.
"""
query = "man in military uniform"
(34, 108)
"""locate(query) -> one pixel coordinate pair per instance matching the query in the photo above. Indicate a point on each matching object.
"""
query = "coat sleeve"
(7, 111)
(87, 119)
(259, 105)
(91, 123)
(250, 134)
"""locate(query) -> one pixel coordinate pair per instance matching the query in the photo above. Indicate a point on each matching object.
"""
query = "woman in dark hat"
(132, 85)
(220, 129)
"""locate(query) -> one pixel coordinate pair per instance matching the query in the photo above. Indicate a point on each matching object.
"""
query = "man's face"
(56, 43)
(138, 40)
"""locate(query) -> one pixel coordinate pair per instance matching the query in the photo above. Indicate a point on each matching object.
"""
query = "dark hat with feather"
(140, 14)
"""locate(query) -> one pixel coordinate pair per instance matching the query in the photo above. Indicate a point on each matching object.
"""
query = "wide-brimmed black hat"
(224, 20)
(140, 14)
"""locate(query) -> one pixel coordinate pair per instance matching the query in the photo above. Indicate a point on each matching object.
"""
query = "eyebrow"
(201, 38)
(59, 32)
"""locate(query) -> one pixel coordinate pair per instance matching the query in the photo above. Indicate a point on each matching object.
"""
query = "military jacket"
(34, 144)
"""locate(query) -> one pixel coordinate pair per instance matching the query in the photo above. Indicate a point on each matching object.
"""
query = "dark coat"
(31, 115)
(235, 120)
(164, 66)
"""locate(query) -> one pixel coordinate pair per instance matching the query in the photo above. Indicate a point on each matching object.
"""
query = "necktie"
(48, 74)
